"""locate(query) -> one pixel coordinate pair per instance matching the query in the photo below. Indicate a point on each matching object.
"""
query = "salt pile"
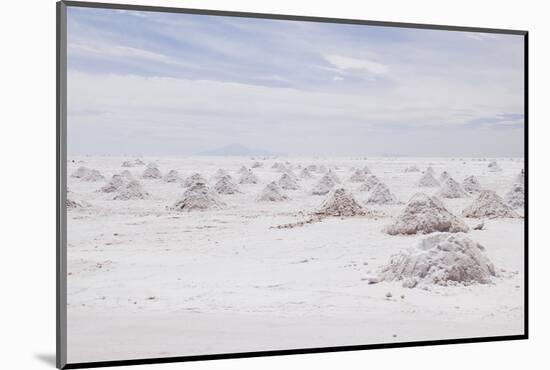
(489, 204)
(220, 173)
(471, 185)
(131, 190)
(358, 176)
(515, 197)
(127, 164)
(322, 169)
(198, 197)
(444, 176)
(443, 259)
(87, 174)
(305, 173)
(423, 215)
(340, 203)
(151, 172)
(334, 176)
(276, 165)
(272, 193)
(494, 167)
(225, 185)
(370, 183)
(366, 170)
(243, 170)
(381, 194)
(139, 162)
(324, 186)
(451, 189)
(428, 180)
(115, 183)
(312, 168)
(172, 176)
(411, 169)
(287, 182)
(127, 175)
(430, 170)
(257, 165)
(193, 179)
(248, 178)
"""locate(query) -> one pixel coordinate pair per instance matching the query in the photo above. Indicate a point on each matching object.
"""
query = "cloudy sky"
(145, 83)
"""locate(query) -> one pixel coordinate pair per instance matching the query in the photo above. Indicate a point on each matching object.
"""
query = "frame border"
(61, 185)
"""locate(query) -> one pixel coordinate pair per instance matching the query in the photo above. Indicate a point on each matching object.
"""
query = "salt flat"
(149, 281)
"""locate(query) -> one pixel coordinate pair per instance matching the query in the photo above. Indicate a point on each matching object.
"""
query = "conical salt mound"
(257, 165)
(172, 176)
(366, 170)
(291, 174)
(515, 197)
(287, 182)
(312, 168)
(370, 183)
(358, 176)
(451, 189)
(193, 179)
(322, 169)
(276, 165)
(115, 183)
(334, 176)
(444, 176)
(442, 259)
(248, 178)
(423, 215)
(494, 167)
(198, 198)
(340, 203)
(381, 194)
(430, 170)
(411, 169)
(272, 193)
(139, 162)
(220, 173)
(305, 173)
(471, 185)
(324, 186)
(225, 185)
(428, 180)
(81, 172)
(127, 164)
(151, 172)
(488, 204)
(132, 190)
(243, 170)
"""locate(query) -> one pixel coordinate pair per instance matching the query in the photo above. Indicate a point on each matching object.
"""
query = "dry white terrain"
(148, 279)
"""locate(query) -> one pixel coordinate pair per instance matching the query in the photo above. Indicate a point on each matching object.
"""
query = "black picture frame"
(61, 186)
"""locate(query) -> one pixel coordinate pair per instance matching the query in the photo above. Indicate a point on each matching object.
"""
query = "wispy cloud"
(363, 64)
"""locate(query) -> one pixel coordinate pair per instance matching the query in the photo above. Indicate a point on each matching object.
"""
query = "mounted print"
(238, 184)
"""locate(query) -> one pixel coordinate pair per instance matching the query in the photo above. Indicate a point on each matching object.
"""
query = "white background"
(27, 203)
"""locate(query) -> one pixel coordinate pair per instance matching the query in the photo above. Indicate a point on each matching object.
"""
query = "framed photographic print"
(238, 184)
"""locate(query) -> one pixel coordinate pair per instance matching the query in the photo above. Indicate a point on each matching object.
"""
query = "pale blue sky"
(178, 84)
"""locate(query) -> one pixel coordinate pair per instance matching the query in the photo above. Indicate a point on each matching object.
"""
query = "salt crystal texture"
(272, 193)
(172, 176)
(287, 182)
(132, 190)
(324, 185)
(442, 259)
(225, 185)
(423, 215)
(471, 185)
(341, 203)
(198, 197)
(248, 178)
(451, 189)
(489, 204)
(515, 197)
(193, 179)
(428, 180)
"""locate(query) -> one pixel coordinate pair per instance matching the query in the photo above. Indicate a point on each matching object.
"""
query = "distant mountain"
(238, 150)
